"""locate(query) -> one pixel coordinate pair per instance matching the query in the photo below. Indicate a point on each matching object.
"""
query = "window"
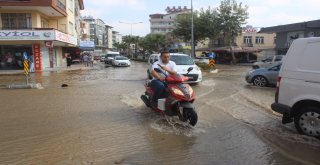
(44, 23)
(71, 28)
(259, 40)
(16, 20)
(247, 39)
(182, 60)
(278, 58)
(70, 5)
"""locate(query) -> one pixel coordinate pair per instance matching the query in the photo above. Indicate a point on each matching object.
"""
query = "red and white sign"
(37, 57)
(251, 30)
(67, 38)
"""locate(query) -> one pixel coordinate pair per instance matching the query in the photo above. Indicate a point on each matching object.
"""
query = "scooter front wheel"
(191, 116)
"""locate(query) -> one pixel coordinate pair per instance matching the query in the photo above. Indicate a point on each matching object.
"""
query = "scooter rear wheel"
(191, 116)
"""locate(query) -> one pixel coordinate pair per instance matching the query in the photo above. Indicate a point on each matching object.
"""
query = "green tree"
(129, 40)
(232, 16)
(153, 42)
(183, 27)
(120, 46)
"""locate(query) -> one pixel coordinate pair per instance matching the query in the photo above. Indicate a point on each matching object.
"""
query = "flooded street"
(100, 119)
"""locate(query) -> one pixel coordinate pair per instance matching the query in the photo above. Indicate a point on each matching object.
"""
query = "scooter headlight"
(177, 91)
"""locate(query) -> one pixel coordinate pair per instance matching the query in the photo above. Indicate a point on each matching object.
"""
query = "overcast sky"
(262, 13)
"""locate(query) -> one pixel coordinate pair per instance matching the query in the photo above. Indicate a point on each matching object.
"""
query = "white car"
(268, 62)
(121, 61)
(183, 62)
(298, 87)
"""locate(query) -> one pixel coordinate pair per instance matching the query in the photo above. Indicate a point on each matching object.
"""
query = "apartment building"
(164, 23)
(286, 34)
(44, 29)
(116, 37)
(108, 37)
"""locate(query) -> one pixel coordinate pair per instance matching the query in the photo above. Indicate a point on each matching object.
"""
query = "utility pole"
(192, 32)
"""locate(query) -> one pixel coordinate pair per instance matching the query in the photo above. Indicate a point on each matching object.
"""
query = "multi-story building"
(108, 37)
(84, 31)
(164, 23)
(97, 33)
(116, 37)
(248, 46)
(286, 34)
(44, 29)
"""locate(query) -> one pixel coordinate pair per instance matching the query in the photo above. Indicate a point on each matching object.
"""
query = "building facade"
(164, 23)
(116, 37)
(286, 34)
(108, 37)
(45, 30)
(249, 46)
(97, 33)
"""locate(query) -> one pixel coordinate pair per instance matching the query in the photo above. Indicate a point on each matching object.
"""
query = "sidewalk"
(56, 69)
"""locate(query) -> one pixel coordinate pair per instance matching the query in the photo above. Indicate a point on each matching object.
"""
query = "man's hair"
(164, 52)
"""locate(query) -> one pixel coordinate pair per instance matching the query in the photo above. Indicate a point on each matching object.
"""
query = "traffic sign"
(212, 63)
(212, 55)
(26, 67)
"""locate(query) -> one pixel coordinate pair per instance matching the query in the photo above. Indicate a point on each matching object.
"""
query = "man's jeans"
(159, 88)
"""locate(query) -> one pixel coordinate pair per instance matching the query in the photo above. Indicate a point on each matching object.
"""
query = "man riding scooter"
(157, 83)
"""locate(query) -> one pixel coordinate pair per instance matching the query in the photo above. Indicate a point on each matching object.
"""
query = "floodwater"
(99, 119)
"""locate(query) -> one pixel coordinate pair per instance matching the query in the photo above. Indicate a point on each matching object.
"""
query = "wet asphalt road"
(99, 119)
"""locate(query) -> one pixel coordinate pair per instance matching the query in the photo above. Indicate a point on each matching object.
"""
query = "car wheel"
(260, 81)
(307, 121)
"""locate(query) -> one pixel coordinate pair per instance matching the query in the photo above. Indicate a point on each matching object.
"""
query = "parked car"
(266, 63)
(183, 62)
(121, 61)
(110, 57)
(102, 58)
(202, 59)
(298, 87)
(264, 76)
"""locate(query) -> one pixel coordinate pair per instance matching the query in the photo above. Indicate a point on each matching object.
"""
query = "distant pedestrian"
(86, 60)
(91, 60)
(69, 61)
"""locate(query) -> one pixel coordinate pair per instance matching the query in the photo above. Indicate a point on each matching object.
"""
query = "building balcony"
(52, 8)
(161, 20)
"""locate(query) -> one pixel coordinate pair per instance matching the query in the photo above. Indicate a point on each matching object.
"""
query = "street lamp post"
(192, 32)
(131, 25)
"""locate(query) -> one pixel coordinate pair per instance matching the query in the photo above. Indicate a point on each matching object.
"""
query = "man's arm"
(156, 74)
(170, 71)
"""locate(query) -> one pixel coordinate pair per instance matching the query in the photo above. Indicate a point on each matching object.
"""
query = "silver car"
(263, 77)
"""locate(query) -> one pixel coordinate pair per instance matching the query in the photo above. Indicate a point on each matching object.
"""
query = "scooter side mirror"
(190, 69)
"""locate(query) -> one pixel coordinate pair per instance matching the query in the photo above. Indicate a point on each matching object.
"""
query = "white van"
(298, 87)
(183, 62)
(109, 57)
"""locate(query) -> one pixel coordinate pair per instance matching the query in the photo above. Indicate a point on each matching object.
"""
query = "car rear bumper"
(284, 110)
(280, 108)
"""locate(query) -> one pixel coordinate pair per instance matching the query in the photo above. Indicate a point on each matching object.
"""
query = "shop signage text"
(26, 35)
(37, 57)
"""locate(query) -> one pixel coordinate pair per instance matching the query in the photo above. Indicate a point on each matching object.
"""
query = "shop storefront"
(43, 47)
